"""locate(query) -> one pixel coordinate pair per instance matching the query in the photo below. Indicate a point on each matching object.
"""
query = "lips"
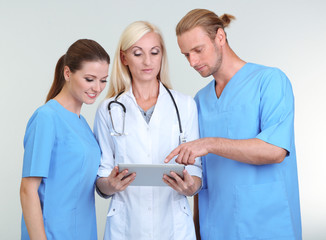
(147, 70)
(91, 95)
(199, 69)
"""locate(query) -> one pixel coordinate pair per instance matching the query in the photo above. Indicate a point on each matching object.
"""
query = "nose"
(147, 59)
(193, 60)
(96, 86)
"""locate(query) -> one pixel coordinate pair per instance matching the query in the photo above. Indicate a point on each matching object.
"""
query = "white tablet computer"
(151, 174)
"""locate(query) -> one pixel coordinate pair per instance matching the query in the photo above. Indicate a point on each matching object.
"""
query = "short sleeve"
(38, 144)
(277, 110)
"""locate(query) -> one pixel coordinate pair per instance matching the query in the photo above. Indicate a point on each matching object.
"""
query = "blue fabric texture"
(61, 148)
(244, 201)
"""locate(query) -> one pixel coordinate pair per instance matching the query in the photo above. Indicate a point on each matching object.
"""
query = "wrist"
(197, 186)
(208, 143)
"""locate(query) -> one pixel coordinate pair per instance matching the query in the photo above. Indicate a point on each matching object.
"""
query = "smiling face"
(144, 58)
(86, 84)
(203, 53)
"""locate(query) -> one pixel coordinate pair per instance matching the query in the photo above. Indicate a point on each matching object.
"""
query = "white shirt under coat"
(147, 212)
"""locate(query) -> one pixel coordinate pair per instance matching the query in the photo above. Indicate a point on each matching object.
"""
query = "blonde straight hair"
(120, 80)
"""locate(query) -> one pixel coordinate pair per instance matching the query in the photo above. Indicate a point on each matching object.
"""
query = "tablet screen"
(151, 174)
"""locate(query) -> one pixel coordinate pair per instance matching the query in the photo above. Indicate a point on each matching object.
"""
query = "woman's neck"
(68, 102)
(146, 93)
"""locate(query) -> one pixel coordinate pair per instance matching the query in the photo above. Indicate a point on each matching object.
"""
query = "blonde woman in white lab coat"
(150, 133)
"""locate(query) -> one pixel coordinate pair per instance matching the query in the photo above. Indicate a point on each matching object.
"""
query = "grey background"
(288, 34)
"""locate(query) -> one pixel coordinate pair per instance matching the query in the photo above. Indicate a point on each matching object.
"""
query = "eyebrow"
(91, 75)
(201, 45)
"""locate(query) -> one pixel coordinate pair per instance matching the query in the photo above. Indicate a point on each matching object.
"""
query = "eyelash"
(91, 80)
(153, 53)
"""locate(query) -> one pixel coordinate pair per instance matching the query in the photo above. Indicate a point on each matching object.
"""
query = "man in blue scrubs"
(246, 115)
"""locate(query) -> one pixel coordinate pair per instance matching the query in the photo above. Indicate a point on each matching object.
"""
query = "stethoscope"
(182, 138)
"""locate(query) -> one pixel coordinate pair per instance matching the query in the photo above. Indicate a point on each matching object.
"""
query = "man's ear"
(220, 37)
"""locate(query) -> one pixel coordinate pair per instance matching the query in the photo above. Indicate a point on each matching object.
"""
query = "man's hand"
(187, 152)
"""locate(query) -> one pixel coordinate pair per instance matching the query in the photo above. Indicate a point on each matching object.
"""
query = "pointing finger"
(172, 154)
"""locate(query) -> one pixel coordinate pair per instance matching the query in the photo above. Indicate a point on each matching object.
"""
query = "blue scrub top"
(61, 148)
(244, 201)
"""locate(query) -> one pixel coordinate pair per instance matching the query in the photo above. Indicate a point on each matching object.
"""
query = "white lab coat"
(147, 212)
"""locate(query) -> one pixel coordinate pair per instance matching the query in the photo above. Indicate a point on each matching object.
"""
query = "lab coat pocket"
(167, 140)
(172, 136)
(262, 211)
(116, 221)
(184, 207)
(183, 223)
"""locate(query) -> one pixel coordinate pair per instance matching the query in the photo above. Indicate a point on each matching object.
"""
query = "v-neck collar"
(227, 86)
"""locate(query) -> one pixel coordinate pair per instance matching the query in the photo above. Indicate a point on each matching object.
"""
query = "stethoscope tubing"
(124, 110)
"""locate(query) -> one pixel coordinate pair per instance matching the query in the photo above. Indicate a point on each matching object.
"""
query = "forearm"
(251, 151)
(32, 212)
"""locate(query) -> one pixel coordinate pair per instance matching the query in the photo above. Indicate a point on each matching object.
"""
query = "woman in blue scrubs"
(61, 153)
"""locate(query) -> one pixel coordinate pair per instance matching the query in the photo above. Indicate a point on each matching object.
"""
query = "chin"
(205, 75)
(89, 102)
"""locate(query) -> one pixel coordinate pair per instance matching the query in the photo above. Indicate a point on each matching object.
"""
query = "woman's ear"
(123, 58)
(66, 73)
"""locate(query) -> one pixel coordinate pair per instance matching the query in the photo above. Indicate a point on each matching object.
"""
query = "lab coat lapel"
(160, 109)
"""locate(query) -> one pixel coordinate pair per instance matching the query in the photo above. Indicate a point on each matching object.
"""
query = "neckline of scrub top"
(227, 86)
(65, 111)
